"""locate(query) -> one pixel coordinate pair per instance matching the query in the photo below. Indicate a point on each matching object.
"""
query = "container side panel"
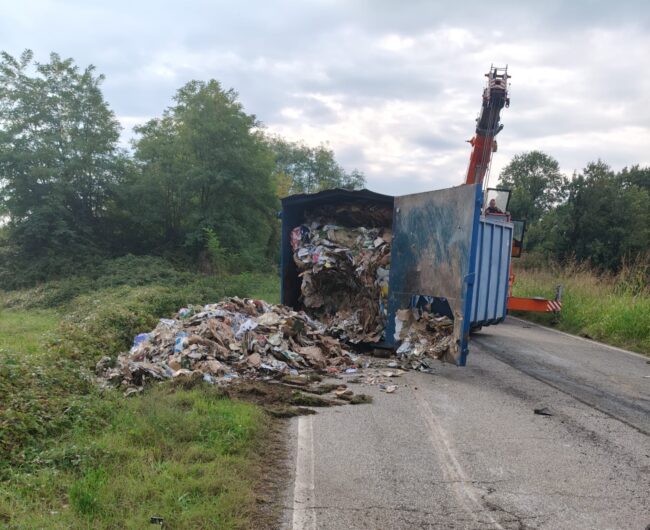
(476, 301)
(292, 216)
(432, 251)
(492, 272)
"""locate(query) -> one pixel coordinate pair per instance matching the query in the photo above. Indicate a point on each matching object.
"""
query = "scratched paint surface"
(431, 253)
(431, 244)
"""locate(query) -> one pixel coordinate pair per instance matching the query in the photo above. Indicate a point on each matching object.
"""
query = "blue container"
(295, 209)
(443, 250)
(490, 296)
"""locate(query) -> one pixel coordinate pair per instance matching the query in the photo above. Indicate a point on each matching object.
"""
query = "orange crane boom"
(495, 97)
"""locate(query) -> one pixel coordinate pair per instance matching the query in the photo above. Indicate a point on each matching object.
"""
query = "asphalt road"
(462, 448)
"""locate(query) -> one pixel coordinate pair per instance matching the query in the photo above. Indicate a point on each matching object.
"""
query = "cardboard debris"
(343, 257)
(224, 341)
(423, 336)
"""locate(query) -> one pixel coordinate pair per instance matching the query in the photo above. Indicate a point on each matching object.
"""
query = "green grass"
(24, 332)
(72, 456)
(182, 455)
(601, 308)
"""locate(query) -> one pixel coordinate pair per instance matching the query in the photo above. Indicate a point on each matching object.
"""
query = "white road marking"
(304, 514)
(466, 493)
(529, 323)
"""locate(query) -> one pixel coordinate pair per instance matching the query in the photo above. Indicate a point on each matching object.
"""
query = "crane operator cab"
(496, 201)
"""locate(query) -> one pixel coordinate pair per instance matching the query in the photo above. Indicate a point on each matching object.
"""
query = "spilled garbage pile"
(424, 336)
(231, 339)
(343, 257)
(342, 254)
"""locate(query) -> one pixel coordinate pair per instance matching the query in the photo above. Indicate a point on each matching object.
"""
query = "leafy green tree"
(206, 165)
(59, 158)
(636, 176)
(303, 169)
(536, 185)
(606, 220)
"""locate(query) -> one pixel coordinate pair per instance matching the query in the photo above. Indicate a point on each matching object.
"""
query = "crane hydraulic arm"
(495, 97)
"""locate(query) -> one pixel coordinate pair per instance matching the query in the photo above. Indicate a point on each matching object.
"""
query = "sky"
(392, 87)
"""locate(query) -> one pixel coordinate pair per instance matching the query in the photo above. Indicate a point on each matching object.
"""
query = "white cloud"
(393, 87)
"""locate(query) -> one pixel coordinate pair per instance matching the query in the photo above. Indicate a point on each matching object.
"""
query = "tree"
(59, 157)
(607, 219)
(303, 169)
(536, 185)
(205, 165)
(636, 176)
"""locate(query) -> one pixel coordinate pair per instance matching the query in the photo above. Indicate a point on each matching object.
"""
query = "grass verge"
(76, 457)
(183, 455)
(596, 307)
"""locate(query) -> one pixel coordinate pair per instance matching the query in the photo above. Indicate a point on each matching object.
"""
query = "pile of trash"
(228, 340)
(424, 336)
(343, 258)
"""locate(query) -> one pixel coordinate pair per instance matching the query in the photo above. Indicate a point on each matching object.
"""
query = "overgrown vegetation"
(598, 217)
(204, 172)
(608, 307)
(77, 457)
(185, 456)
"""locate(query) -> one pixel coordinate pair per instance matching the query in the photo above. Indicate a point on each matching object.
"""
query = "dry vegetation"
(612, 308)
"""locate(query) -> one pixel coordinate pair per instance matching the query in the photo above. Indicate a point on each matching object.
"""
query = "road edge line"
(615, 348)
(304, 514)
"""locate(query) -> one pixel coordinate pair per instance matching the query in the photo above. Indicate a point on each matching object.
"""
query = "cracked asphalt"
(462, 448)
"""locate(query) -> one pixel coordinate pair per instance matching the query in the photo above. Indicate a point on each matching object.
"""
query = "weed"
(84, 492)
(75, 457)
(611, 308)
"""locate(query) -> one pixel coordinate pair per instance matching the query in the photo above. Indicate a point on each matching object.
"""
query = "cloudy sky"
(392, 86)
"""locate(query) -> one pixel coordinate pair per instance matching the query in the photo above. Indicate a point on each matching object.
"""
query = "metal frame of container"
(443, 249)
(294, 210)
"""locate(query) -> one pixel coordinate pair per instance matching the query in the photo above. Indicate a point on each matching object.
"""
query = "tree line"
(599, 216)
(201, 183)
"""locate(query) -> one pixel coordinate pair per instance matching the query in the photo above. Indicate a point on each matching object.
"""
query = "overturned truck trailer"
(444, 255)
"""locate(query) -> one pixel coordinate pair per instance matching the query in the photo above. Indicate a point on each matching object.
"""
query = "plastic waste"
(180, 342)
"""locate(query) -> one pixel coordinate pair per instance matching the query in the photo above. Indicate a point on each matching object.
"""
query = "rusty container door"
(435, 236)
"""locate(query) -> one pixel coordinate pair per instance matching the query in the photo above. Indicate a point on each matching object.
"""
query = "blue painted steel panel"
(435, 241)
(443, 252)
(492, 271)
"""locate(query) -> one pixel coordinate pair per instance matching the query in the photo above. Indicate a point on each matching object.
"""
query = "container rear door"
(435, 238)
(492, 271)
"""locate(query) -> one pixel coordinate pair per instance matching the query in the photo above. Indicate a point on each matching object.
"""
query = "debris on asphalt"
(424, 336)
(544, 411)
(225, 341)
(343, 257)
(247, 339)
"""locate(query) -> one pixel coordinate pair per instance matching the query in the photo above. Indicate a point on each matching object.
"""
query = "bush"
(135, 271)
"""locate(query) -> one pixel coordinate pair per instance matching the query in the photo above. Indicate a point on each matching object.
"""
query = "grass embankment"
(611, 309)
(73, 456)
